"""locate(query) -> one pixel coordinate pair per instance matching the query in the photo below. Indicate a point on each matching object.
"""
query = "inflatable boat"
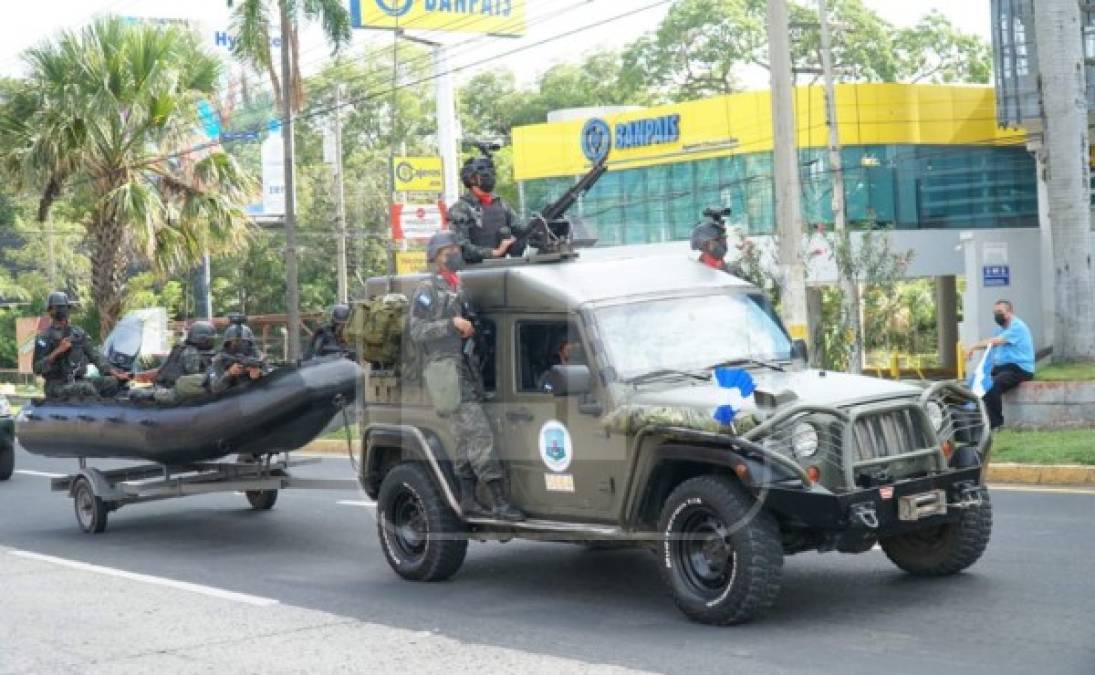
(282, 412)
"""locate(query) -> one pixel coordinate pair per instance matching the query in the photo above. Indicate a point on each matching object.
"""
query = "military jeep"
(620, 446)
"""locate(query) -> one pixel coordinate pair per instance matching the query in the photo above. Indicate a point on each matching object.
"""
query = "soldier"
(62, 354)
(709, 238)
(238, 357)
(482, 222)
(456, 389)
(184, 376)
(331, 338)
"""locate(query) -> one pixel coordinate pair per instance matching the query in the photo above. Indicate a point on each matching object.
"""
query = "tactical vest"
(73, 363)
(490, 219)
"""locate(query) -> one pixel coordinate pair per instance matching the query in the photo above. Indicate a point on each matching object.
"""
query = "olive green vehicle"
(620, 446)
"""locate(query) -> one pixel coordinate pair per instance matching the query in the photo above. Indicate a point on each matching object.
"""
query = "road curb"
(1034, 474)
(1021, 474)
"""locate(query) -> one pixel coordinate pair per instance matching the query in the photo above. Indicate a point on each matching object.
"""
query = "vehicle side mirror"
(569, 380)
(800, 352)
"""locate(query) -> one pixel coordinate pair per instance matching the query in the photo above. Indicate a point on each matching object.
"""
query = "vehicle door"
(561, 461)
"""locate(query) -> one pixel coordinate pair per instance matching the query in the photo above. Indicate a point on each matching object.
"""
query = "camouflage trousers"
(103, 387)
(187, 388)
(474, 456)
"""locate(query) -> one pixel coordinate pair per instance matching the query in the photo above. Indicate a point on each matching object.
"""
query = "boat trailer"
(96, 493)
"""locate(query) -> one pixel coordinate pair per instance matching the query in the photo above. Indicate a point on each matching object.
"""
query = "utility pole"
(849, 291)
(292, 290)
(1059, 35)
(785, 173)
(340, 199)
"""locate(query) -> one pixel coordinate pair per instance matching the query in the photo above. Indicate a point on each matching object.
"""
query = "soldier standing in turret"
(62, 354)
(483, 223)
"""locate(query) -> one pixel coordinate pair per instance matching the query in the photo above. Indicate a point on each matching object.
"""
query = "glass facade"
(903, 186)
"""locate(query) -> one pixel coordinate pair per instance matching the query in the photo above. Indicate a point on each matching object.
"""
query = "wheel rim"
(410, 528)
(85, 506)
(704, 552)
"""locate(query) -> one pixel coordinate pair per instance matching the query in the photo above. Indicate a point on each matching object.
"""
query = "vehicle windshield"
(690, 334)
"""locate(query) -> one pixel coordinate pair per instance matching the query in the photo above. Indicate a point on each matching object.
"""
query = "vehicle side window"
(542, 345)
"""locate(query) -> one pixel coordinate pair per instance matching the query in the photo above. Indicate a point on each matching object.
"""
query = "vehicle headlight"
(804, 440)
(936, 415)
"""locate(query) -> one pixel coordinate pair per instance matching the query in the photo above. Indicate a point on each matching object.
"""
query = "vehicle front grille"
(889, 434)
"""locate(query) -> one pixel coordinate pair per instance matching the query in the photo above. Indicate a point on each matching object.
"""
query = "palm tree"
(253, 25)
(106, 119)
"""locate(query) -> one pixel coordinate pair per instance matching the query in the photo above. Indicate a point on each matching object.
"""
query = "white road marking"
(40, 474)
(1046, 490)
(210, 591)
(368, 505)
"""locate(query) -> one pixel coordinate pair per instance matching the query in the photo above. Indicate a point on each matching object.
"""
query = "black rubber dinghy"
(281, 412)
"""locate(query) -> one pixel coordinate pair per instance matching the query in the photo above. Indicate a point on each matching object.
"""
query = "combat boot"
(469, 503)
(503, 509)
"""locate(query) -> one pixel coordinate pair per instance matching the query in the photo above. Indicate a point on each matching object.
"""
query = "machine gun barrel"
(539, 231)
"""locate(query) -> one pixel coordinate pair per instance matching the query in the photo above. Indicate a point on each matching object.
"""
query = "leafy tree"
(935, 51)
(101, 116)
(254, 22)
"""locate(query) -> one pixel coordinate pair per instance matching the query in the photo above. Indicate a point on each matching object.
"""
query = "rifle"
(477, 349)
(247, 361)
(551, 231)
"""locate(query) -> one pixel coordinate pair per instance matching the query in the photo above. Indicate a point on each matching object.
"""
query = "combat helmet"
(439, 241)
(340, 314)
(201, 335)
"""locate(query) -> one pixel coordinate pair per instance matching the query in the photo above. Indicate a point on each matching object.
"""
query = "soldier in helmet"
(483, 223)
(184, 376)
(709, 238)
(62, 354)
(239, 361)
(331, 338)
(440, 330)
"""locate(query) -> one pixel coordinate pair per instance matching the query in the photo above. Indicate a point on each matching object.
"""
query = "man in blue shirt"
(1012, 358)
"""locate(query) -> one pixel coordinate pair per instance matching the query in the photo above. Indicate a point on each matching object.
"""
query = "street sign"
(417, 221)
(418, 174)
(273, 176)
(501, 17)
(996, 275)
(410, 262)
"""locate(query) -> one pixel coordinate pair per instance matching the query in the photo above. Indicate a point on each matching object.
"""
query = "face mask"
(1001, 320)
(719, 250)
(454, 262)
(487, 181)
(60, 314)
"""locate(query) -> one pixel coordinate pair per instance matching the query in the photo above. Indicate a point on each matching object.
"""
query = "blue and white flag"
(737, 388)
(980, 379)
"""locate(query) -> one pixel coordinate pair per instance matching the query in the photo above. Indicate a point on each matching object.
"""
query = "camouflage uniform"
(433, 308)
(220, 380)
(326, 343)
(66, 376)
(479, 227)
(192, 367)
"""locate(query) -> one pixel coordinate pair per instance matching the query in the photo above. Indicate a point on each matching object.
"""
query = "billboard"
(418, 174)
(494, 17)
(417, 221)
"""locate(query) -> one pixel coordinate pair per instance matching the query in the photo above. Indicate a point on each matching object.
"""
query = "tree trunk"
(108, 264)
(1061, 62)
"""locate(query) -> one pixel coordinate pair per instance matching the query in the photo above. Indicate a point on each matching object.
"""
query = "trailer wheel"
(7, 462)
(720, 556)
(91, 511)
(423, 539)
(262, 500)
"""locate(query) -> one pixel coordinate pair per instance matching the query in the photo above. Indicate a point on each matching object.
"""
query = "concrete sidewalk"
(58, 618)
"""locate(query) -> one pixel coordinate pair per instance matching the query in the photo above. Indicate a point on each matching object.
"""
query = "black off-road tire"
(422, 538)
(91, 511)
(944, 550)
(262, 500)
(711, 519)
(7, 463)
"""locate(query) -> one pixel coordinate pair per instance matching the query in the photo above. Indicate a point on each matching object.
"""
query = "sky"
(33, 22)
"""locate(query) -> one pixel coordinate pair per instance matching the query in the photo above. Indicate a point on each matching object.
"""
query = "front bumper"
(875, 510)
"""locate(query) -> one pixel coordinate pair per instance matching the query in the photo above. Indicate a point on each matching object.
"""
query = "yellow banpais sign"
(494, 17)
(418, 174)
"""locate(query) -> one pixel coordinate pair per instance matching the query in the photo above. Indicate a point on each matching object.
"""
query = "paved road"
(1028, 606)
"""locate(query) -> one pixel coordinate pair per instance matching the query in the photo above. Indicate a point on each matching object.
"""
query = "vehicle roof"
(597, 275)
